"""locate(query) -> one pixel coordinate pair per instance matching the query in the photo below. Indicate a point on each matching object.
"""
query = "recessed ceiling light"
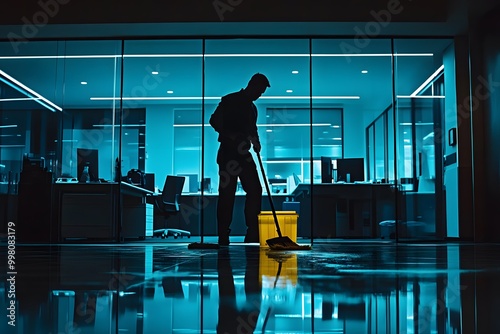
(289, 91)
(295, 72)
(170, 91)
(83, 82)
(336, 126)
(154, 72)
(364, 71)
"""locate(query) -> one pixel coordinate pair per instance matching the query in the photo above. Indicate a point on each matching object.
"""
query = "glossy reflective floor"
(337, 287)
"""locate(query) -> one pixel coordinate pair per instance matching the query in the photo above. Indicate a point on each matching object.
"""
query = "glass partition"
(351, 88)
(30, 108)
(66, 104)
(162, 89)
(62, 85)
(91, 80)
(419, 135)
(283, 115)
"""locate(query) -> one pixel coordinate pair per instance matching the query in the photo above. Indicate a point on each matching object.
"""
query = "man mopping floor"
(235, 120)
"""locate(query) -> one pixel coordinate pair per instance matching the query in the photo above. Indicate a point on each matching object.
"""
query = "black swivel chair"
(167, 203)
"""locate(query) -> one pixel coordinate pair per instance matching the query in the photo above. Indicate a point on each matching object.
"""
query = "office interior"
(147, 103)
(409, 248)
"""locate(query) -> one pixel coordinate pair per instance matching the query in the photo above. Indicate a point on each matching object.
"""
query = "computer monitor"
(350, 170)
(326, 170)
(88, 157)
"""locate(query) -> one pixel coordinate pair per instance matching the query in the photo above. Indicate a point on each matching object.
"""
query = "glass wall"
(30, 109)
(91, 72)
(47, 95)
(70, 103)
(419, 135)
(283, 120)
(162, 85)
(356, 84)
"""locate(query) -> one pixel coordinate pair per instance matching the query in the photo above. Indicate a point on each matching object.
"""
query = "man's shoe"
(224, 238)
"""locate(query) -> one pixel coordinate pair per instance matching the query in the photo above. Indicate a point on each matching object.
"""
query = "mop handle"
(269, 195)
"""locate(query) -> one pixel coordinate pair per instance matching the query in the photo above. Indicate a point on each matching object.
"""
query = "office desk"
(92, 211)
(345, 210)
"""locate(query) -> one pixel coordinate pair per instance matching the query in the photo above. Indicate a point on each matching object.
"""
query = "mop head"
(200, 245)
(285, 243)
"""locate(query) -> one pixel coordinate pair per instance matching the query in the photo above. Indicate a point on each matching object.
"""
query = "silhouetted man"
(235, 120)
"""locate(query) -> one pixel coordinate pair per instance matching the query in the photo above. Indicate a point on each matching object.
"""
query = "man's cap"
(260, 78)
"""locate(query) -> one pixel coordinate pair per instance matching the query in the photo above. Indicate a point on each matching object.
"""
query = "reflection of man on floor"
(231, 319)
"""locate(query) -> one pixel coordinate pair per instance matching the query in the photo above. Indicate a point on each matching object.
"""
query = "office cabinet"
(34, 207)
(99, 211)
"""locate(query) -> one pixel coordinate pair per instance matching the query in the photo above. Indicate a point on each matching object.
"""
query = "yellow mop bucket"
(287, 221)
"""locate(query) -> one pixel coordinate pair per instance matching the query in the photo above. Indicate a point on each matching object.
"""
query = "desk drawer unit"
(86, 215)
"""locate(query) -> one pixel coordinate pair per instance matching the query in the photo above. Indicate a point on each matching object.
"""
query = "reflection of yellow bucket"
(269, 265)
(267, 228)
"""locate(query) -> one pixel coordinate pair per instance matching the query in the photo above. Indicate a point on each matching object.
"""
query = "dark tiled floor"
(337, 287)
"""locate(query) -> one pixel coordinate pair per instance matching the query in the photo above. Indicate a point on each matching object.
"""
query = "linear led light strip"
(426, 82)
(153, 98)
(17, 99)
(31, 93)
(220, 55)
(420, 97)
(322, 55)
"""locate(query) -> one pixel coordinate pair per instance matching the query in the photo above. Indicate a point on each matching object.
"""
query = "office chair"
(167, 203)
